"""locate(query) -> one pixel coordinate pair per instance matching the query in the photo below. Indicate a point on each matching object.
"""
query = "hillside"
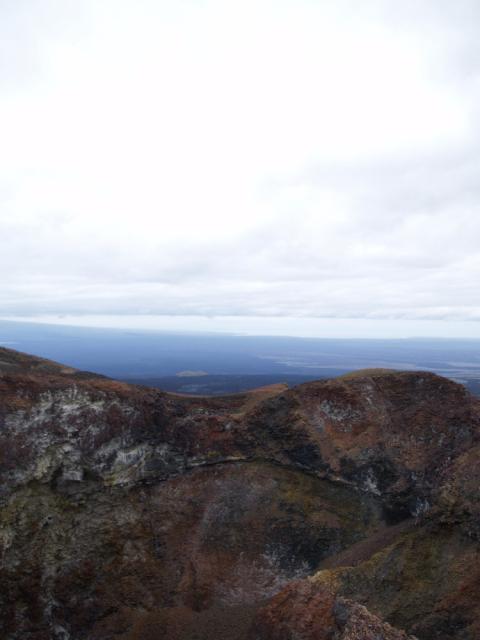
(343, 509)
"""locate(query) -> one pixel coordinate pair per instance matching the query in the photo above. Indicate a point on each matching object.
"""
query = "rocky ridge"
(131, 513)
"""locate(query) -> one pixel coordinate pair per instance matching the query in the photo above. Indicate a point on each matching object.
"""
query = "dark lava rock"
(126, 512)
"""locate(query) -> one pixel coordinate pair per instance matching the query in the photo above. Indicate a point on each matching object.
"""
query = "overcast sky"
(303, 167)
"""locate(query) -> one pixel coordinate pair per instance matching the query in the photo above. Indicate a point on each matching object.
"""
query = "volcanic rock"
(130, 513)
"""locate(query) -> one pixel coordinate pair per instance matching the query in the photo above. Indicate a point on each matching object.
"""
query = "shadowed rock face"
(130, 513)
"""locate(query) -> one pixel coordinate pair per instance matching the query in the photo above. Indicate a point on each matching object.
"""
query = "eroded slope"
(130, 513)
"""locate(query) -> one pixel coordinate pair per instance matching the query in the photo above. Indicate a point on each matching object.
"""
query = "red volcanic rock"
(129, 513)
(306, 611)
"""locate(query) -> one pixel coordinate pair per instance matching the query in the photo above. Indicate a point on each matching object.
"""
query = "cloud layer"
(255, 159)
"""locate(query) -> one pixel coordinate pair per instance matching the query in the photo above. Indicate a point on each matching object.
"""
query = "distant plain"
(213, 364)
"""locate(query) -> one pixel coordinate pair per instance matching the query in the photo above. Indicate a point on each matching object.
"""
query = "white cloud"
(258, 159)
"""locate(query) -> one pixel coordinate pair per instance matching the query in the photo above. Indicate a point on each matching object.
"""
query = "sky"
(298, 167)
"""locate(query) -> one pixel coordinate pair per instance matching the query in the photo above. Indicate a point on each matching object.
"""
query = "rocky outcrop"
(308, 611)
(130, 513)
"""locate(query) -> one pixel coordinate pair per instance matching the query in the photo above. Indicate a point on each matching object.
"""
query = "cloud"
(293, 159)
